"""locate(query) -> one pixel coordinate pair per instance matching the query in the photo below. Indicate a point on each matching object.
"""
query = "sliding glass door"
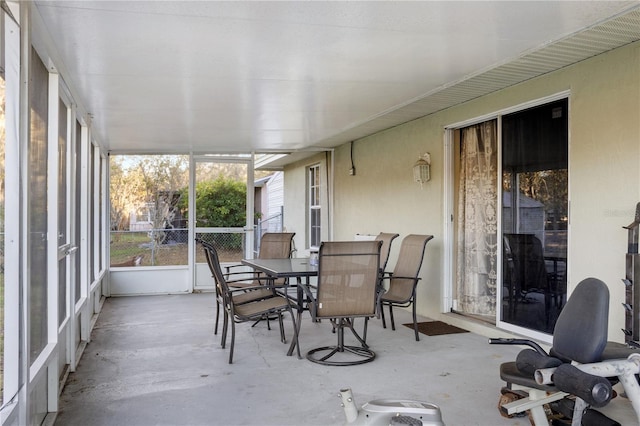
(510, 200)
(535, 215)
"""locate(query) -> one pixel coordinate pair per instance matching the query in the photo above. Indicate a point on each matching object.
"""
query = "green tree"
(220, 203)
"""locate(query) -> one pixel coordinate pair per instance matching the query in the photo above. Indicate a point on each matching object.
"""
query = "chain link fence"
(169, 247)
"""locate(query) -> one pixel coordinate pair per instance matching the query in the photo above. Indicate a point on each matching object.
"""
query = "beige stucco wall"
(604, 170)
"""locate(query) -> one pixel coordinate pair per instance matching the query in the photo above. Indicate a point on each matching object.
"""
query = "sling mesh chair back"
(347, 289)
(273, 245)
(386, 238)
(404, 279)
(276, 245)
(385, 249)
(242, 310)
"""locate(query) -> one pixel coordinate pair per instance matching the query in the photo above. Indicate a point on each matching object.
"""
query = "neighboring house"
(268, 202)
(139, 225)
(268, 205)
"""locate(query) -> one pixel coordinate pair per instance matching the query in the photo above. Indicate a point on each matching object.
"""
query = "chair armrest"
(248, 280)
(251, 275)
(312, 301)
(255, 287)
(379, 302)
(398, 277)
(237, 265)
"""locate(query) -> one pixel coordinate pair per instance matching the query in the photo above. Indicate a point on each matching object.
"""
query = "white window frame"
(313, 176)
(12, 257)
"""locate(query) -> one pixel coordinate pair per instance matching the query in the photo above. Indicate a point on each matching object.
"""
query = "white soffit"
(278, 76)
(583, 45)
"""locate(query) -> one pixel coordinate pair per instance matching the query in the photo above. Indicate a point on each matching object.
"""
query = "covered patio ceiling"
(298, 77)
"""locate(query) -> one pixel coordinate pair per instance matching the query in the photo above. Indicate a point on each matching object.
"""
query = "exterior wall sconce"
(421, 169)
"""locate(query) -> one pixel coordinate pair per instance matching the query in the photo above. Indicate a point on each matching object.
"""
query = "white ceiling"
(239, 76)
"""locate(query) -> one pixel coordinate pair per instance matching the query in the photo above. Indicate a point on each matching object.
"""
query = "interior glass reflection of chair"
(346, 289)
(579, 337)
(525, 272)
(243, 297)
(239, 309)
(404, 279)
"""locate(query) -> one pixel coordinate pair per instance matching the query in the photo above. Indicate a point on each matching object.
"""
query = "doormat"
(436, 328)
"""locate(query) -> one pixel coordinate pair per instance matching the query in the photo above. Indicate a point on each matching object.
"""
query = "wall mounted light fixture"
(422, 169)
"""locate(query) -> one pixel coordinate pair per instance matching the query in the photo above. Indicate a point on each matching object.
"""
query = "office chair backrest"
(580, 333)
(348, 278)
(276, 245)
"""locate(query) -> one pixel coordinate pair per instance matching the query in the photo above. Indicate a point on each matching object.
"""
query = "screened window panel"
(37, 207)
(62, 208)
(77, 226)
(92, 220)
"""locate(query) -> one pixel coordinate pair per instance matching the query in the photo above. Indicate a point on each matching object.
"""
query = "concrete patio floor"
(154, 360)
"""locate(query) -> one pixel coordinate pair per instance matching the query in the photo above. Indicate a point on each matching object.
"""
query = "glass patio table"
(297, 268)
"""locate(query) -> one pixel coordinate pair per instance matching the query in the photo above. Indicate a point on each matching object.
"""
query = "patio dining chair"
(404, 279)
(386, 238)
(253, 294)
(273, 245)
(239, 309)
(346, 289)
(385, 249)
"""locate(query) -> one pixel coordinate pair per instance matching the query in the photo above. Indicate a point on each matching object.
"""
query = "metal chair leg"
(384, 323)
(233, 338)
(393, 323)
(215, 330)
(415, 322)
(282, 337)
(225, 328)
